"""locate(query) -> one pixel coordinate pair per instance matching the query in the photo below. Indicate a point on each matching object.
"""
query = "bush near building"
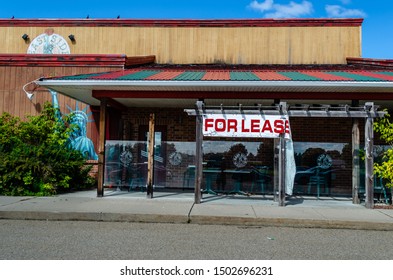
(384, 127)
(36, 158)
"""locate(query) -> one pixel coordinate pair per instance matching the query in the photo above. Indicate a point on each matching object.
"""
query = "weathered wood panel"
(185, 45)
(12, 79)
(14, 100)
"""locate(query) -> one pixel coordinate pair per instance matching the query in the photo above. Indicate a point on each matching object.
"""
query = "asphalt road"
(58, 240)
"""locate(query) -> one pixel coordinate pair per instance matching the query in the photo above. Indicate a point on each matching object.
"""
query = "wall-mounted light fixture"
(30, 93)
(25, 37)
(72, 38)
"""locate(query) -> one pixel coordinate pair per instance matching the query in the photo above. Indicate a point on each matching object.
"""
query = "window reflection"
(323, 168)
(126, 164)
(245, 167)
(238, 167)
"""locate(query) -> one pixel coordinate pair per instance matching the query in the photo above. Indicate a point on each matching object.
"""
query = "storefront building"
(308, 70)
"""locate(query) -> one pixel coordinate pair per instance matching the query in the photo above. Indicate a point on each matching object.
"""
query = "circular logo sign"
(49, 43)
(126, 158)
(240, 160)
(175, 158)
(324, 161)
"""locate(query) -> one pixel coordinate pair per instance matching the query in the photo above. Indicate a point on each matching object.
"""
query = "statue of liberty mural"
(78, 139)
(48, 46)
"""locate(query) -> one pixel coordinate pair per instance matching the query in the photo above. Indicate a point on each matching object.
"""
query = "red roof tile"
(165, 75)
(271, 76)
(217, 76)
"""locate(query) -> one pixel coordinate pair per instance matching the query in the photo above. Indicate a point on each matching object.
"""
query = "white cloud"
(261, 7)
(291, 10)
(336, 11)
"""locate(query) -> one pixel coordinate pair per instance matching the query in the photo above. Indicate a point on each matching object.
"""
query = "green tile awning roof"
(156, 84)
(170, 74)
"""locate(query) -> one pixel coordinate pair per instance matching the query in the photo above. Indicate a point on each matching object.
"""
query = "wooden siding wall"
(190, 45)
(14, 100)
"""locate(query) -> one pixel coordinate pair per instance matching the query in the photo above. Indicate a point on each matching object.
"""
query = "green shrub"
(384, 127)
(35, 157)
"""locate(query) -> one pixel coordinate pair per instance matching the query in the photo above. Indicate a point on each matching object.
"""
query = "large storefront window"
(238, 167)
(230, 166)
(323, 168)
(126, 164)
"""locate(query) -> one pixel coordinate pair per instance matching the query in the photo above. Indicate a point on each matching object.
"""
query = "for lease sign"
(239, 125)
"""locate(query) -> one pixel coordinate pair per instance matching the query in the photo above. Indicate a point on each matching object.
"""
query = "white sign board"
(248, 126)
(49, 43)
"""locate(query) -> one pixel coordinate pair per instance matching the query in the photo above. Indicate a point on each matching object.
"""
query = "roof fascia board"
(85, 60)
(387, 63)
(307, 22)
(204, 94)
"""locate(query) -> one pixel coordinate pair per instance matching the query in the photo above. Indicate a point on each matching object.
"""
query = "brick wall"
(180, 126)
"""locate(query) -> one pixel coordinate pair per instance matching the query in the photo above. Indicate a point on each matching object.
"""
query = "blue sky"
(377, 30)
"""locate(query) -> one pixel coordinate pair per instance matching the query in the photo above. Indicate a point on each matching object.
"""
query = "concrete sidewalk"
(176, 207)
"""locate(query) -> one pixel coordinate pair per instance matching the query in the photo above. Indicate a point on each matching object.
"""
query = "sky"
(377, 28)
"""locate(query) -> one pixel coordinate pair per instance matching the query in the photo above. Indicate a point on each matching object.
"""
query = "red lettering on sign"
(252, 127)
(244, 129)
(255, 125)
(267, 126)
(287, 128)
(220, 125)
(232, 124)
(208, 123)
(279, 126)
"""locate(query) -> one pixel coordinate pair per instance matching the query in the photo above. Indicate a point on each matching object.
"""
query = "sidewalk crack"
(189, 213)
(253, 210)
(386, 214)
(15, 202)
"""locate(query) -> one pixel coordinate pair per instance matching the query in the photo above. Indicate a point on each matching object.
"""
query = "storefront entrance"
(245, 166)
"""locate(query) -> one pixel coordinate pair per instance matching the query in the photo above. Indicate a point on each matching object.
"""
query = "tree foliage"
(384, 168)
(36, 158)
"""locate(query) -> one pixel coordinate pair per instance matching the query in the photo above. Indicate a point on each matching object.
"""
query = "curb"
(201, 220)
(293, 223)
(93, 217)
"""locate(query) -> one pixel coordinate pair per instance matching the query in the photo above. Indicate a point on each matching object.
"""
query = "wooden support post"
(150, 159)
(355, 162)
(276, 168)
(369, 178)
(282, 161)
(101, 148)
(198, 154)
